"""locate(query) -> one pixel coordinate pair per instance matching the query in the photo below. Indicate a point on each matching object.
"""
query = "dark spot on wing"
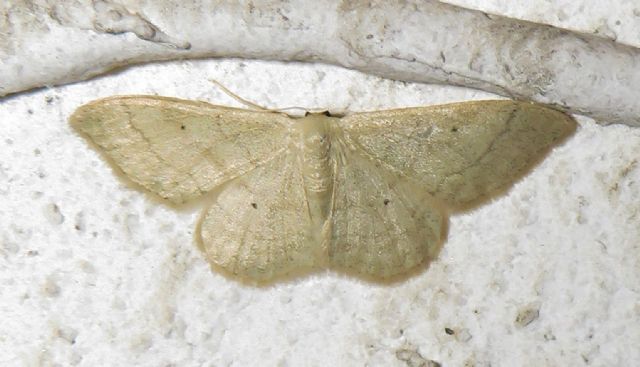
(454, 129)
(386, 201)
(183, 127)
(254, 205)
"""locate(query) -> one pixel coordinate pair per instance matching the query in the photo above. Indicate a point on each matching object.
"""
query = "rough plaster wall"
(94, 273)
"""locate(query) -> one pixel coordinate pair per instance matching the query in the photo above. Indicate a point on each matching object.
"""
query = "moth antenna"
(252, 105)
(238, 98)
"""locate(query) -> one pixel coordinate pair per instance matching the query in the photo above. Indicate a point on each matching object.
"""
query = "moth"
(368, 194)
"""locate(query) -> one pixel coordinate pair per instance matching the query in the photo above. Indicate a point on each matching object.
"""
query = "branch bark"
(45, 42)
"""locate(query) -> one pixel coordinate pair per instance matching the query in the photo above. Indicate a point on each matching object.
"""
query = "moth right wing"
(382, 225)
(260, 228)
(180, 149)
(461, 153)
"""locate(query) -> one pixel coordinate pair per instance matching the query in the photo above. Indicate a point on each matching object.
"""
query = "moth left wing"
(381, 224)
(259, 228)
(461, 153)
(180, 149)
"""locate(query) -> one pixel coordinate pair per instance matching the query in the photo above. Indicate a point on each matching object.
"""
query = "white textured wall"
(93, 273)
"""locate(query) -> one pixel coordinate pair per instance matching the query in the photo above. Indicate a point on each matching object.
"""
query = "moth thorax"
(317, 166)
(316, 160)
